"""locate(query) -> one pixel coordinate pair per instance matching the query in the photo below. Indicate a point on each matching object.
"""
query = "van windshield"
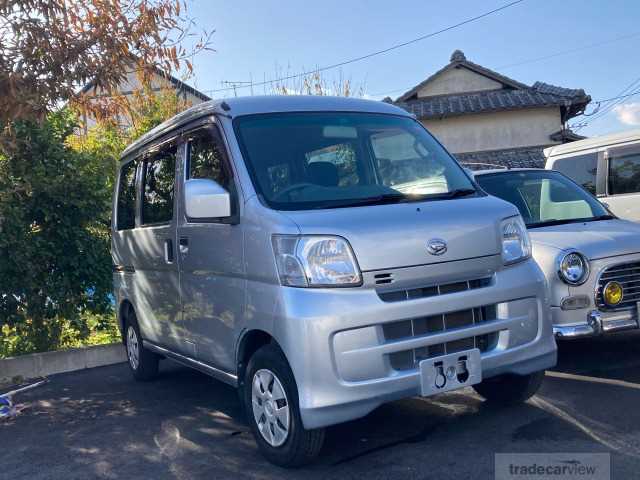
(544, 197)
(302, 161)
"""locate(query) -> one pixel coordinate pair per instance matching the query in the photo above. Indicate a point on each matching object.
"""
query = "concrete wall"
(495, 131)
(458, 80)
(49, 363)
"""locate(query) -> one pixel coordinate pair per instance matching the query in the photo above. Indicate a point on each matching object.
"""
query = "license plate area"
(450, 372)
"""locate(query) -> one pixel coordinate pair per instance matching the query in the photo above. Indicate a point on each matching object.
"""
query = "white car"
(590, 257)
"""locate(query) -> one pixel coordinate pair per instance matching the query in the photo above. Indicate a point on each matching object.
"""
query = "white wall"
(457, 80)
(496, 131)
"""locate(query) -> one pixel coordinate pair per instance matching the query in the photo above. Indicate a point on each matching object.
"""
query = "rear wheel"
(270, 400)
(142, 362)
(510, 389)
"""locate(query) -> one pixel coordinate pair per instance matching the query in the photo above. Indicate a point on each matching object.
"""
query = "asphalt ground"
(99, 423)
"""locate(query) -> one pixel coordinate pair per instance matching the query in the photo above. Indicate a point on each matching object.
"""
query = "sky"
(256, 40)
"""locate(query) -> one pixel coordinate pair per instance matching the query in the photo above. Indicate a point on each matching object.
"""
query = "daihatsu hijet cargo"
(324, 255)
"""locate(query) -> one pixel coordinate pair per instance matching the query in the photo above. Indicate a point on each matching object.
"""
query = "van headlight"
(573, 268)
(516, 245)
(315, 261)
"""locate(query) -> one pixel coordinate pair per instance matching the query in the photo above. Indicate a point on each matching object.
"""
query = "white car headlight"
(516, 245)
(573, 268)
(315, 261)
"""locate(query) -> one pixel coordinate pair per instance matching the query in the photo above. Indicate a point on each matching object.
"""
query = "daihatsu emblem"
(436, 246)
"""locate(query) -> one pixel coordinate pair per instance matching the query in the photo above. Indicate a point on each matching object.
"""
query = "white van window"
(126, 209)
(624, 174)
(206, 160)
(581, 169)
(158, 185)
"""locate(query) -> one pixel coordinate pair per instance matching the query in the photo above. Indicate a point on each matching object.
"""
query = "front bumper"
(335, 343)
(596, 323)
(593, 320)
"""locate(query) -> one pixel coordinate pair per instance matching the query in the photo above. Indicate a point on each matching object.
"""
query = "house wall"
(498, 130)
(457, 80)
(131, 84)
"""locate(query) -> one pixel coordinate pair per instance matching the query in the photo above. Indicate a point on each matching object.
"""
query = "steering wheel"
(293, 188)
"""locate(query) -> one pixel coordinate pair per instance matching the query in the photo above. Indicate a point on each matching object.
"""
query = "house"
(159, 80)
(484, 117)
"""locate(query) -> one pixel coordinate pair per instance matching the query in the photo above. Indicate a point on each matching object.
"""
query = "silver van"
(607, 166)
(324, 255)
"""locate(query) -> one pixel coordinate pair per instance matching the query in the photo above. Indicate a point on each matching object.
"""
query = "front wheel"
(510, 389)
(271, 404)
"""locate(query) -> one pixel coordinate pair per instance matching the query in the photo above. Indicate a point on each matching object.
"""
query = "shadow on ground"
(100, 424)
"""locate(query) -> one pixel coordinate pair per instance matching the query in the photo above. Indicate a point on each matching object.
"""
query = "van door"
(623, 181)
(153, 246)
(211, 258)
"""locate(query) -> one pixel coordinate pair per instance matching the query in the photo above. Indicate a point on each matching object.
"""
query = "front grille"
(627, 275)
(433, 290)
(409, 359)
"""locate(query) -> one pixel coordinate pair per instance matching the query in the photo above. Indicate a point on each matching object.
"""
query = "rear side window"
(158, 186)
(624, 174)
(581, 169)
(126, 210)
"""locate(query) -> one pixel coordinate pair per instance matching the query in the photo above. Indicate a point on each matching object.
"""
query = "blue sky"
(257, 40)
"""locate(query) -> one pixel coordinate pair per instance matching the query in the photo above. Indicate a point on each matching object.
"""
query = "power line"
(612, 103)
(378, 52)
(538, 59)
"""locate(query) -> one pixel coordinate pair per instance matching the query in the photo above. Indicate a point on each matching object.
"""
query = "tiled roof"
(486, 101)
(513, 95)
(526, 157)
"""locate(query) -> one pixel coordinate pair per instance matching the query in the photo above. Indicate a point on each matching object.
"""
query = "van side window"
(581, 169)
(126, 209)
(206, 160)
(624, 174)
(158, 185)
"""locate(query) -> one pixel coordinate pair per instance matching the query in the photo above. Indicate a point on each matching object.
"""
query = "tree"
(54, 244)
(51, 48)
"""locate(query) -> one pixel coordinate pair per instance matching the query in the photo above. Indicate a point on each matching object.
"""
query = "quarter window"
(126, 209)
(158, 186)
(581, 169)
(624, 174)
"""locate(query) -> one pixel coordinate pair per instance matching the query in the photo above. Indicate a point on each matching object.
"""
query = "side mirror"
(204, 198)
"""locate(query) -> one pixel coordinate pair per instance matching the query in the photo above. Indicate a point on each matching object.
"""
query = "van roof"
(236, 107)
(593, 142)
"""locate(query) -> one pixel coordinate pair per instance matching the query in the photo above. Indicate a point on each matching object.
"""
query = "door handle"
(168, 250)
(184, 245)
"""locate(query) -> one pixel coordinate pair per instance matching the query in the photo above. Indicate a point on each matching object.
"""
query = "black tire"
(301, 446)
(146, 366)
(510, 389)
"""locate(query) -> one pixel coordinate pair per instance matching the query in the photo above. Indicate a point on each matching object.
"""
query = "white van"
(607, 166)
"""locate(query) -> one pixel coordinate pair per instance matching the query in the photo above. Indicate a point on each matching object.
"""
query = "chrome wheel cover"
(270, 407)
(133, 351)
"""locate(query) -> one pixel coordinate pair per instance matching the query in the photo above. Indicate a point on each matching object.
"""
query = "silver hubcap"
(132, 348)
(270, 407)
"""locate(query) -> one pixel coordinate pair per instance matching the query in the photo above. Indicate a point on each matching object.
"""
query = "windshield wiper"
(552, 222)
(458, 192)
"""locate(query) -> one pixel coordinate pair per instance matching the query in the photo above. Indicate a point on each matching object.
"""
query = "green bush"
(55, 266)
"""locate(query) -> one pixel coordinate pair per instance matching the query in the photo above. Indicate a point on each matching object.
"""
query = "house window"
(158, 186)
(581, 169)
(624, 174)
(126, 209)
